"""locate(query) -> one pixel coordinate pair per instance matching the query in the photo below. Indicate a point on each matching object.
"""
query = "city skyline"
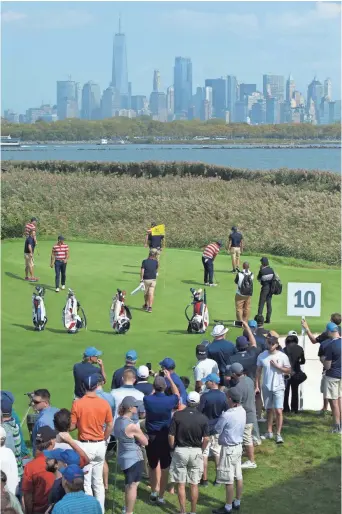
(154, 56)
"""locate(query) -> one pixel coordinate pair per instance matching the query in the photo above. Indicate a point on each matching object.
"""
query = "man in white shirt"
(128, 389)
(244, 292)
(274, 364)
(204, 367)
(230, 428)
(8, 463)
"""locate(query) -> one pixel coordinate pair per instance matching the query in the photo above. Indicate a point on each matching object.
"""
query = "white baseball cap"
(193, 397)
(143, 372)
(219, 330)
(292, 333)
(2, 433)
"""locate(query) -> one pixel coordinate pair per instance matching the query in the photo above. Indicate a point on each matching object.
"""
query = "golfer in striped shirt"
(31, 225)
(59, 259)
(208, 257)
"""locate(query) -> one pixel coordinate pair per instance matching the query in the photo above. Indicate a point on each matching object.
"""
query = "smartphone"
(149, 365)
(237, 324)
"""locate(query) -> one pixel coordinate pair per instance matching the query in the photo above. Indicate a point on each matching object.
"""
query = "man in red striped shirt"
(31, 225)
(208, 258)
(59, 259)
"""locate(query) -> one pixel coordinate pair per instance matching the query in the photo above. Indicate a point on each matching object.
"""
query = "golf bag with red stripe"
(73, 315)
(119, 314)
(38, 309)
(199, 321)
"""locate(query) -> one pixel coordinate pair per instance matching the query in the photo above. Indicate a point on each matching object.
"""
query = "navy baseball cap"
(212, 377)
(91, 351)
(33, 219)
(131, 355)
(332, 327)
(71, 472)
(264, 261)
(220, 242)
(60, 238)
(45, 434)
(168, 363)
(252, 323)
(92, 381)
(7, 400)
(241, 342)
(201, 351)
(69, 457)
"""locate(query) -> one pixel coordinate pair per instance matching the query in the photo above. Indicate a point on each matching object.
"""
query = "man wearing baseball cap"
(212, 404)
(75, 499)
(170, 365)
(230, 427)
(131, 358)
(332, 383)
(204, 366)
(8, 463)
(220, 350)
(90, 414)
(11, 426)
(143, 384)
(37, 481)
(59, 260)
(87, 367)
(265, 277)
(210, 253)
(189, 437)
(235, 247)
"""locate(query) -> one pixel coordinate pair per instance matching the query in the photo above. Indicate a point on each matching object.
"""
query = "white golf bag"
(73, 315)
(119, 314)
(38, 309)
(199, 321)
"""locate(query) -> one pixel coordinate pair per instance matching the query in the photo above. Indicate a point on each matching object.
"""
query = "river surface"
(239, 156)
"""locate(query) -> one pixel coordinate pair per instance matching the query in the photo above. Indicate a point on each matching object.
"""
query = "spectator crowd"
(159, 431)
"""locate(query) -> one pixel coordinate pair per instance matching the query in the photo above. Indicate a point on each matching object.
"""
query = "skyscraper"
(328, 89)
(156, 80)
(232, 91)
(290, 88)
(315, 95)
(273, 86)
(119, 67)
(182, 85)
(110, 102)
(67, 99)
(91, 101)
(219, 99)
(246, 90)
(170, 100)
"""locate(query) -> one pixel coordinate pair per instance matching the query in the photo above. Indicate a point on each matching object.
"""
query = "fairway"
(32, 360)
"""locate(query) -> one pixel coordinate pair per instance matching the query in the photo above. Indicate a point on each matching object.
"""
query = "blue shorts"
(134, 473)
(273, 399)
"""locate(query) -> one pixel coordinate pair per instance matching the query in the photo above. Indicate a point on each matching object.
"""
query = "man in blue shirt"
(41, 404)
(220, 350)
(87, 367)
(131, 360)
(29, 247)
(169, 364)
(212, 404)
(75, 499)
(332, 380)
(235, 247)
(158, 408)
(148, 275)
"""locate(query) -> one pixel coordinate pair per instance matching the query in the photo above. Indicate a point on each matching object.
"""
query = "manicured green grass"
(301, 476)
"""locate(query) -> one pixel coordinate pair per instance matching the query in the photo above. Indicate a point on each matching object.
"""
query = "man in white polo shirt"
(204, 366)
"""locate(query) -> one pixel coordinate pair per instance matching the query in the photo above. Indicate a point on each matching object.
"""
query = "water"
(326, 159)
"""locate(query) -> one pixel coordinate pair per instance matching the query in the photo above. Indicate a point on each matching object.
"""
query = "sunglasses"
(37, 401)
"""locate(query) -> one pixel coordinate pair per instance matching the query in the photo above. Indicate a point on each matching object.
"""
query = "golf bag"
(73, 315)
(120, 315)
(38, 309)
(199, 321)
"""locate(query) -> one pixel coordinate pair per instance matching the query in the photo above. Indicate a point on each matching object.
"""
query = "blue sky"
(43, 42)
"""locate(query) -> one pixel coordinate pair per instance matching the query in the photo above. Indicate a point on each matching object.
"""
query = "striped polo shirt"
(211, 251)
(60, 251)
(28, 227)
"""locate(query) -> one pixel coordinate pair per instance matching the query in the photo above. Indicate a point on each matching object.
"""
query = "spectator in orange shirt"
(89, 415)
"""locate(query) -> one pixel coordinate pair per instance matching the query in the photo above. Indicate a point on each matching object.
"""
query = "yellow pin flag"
(159, 230)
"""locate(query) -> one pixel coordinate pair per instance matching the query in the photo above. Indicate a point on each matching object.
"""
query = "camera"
(148, 365)
(237, 324)
(161, 373)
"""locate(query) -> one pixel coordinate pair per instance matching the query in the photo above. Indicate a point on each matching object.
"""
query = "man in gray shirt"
(244, 386)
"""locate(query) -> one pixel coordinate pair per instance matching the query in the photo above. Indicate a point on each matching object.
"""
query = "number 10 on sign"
(303, 299)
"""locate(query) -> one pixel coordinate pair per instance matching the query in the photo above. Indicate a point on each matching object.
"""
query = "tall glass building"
(119, 67)
(182, 85)
(274, 86)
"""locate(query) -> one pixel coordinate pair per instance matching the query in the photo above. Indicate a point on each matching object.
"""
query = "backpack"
(246, 288)
(276, 285)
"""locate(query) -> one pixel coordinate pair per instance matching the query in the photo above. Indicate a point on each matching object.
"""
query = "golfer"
(31, 225)
(59, 259)
(29, 247)
(208, 257)
(154, 242)
(149, 272)
(235, 247)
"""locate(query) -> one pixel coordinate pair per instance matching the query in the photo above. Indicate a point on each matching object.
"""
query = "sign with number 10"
(303, 299)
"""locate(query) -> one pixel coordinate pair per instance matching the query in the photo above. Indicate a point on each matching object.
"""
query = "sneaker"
(57, 289)
(154, 498)
(149, 309)
(268, 435)
(256, 441)
(33, 279)
(236, 506)
(161, 501)
(204, 483)
(279, 439)
(144, 306)
(249, 465)
(206, 284)
(233, 271)
(336, 430)
(63, 287)
(212, 285)
(26, 278)
(222, 510)
(262, 419)
(268, 321)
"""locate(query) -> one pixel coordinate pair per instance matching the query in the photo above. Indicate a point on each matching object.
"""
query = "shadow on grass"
(56, 330)
(35, 284)
(25, 327)
(104, 332)
(174, 332)
(130, 266)
(132, 272)
(192, 283)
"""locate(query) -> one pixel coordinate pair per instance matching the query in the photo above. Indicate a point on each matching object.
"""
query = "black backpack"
(276, 285)
(246, 288)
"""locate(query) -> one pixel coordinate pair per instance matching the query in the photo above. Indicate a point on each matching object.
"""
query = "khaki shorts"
(332, 388)
(213, 447)
(28, 259)
(247, 435)
(186, 466)
(229, 467)
(149, 285)
(235, 250)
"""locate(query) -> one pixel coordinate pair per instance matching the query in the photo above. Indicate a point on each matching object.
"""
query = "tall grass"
(288, 213)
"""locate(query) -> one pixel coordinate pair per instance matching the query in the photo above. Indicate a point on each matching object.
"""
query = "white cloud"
(313, 20)
(12, 16)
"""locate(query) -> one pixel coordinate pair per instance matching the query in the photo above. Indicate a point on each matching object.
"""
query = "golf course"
(300, 476)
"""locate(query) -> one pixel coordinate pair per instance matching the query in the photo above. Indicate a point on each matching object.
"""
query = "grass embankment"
(281, 212)
(288, 479)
